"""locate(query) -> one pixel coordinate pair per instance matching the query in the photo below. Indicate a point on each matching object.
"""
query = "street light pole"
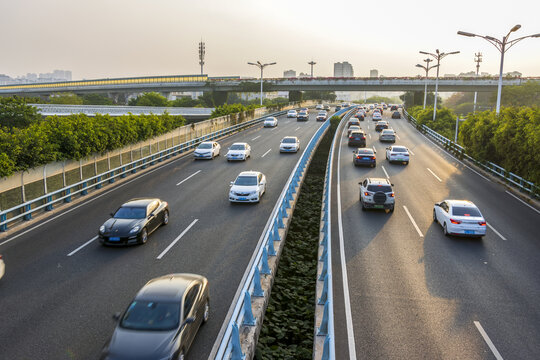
(312, 63)
(261, 66)
(503, 46)
(438, 56)
(426, 68)
(478, 60)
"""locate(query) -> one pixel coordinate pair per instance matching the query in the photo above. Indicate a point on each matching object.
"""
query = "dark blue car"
(364, 157)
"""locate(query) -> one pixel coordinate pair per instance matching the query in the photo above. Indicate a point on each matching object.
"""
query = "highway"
(62, 287)
(414, 293)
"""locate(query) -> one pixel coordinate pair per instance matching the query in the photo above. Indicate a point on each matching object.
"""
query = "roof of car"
(207, 142)
(270, 118)
(382, 122)
(465, 203)
(167, 287)
(139, 202)
(357, 132)
(398, 147)
(290, 137)
(386, 131)
(249, 173)
(377, 181)
(240, 143)
(365, 150)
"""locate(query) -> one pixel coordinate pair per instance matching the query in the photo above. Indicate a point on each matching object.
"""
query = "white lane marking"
(495, 231)
(373, 147)
(410, 152)
(346, 295)
(413, 222)
(88, 201)
(297, 128)
(369, 136)
(385, 173)
(432, 173)
(398, 137)
(488, 340)
(274, 128)
(266, 152)
(176, 240)
(255, 138)
(523, 202)
(189, 177)
(83, 245)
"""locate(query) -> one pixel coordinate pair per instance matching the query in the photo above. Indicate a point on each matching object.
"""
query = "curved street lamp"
(503, 46)
(261, 66)
(438, 56)
(426, 68)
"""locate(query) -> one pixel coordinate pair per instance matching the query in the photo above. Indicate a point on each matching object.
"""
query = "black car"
(396, 115)
(302, 116)
(162, 320)
(364, 157)
(381, 125)
(134, 221)
(357, 138)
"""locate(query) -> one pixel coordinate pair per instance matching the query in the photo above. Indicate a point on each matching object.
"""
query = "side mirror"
(112, 214)
(392, 184)
(232, 183)
(354, 151)
(116, 316)
(437, 204)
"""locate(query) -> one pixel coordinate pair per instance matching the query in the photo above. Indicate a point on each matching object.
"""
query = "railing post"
(249, 320)
(29, 215)
(99, 184)
(265, 269)
(236, 352)
(323, 329)
(271, 249)
(67, 192)
(84, 188)
(257, 288)
(49, 200)
(3, 218)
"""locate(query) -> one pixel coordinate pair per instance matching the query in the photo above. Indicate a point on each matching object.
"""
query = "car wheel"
(445, 230)
(372, 165)
(392, 208)
(166, 217)
(362, 203)
(406, 163)
(144, 236)
(206, 313)
(434, 216)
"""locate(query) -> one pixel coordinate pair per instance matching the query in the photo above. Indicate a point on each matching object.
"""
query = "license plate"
(366, 158)
(469, 231)
(378, 206)
(242, 198)
(114, 239)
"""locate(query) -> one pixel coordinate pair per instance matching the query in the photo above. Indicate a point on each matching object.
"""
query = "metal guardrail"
(118, 110)
(46, 202)
(510, 178)
(242, 314)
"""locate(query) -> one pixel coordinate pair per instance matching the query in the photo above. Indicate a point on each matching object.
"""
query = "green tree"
(527, 94)
(295, 96)
(185, 101)
(66, 99)
(150, 99)
(16, 113)
(96, 99)
(414, 98)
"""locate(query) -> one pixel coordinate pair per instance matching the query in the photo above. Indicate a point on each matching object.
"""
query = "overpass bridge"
(196, 83)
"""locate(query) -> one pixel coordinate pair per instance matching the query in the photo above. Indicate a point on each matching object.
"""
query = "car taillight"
(392, 195)
(373, 158)
(363, 138)
(482, 223)
(453, 221)
(366, 193)
(350, 137)
(358, 156)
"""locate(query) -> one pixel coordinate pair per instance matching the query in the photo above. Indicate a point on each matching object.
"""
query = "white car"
(289, 144)
(270, 122)
(2, 267)
(376, 116)
(239, 151)
(319, 107)
(397, 153)
(292, 113)
(207, 150)
(459, 217)
(322, 116)
(249, 186)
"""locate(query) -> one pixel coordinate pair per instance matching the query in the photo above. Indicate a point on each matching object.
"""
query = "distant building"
(513, 74)
(303, 75)
(289, 74)
(374, 73)
(343, 69)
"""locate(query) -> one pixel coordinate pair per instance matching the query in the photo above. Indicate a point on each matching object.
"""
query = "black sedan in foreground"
(162, 320)
(134, 221)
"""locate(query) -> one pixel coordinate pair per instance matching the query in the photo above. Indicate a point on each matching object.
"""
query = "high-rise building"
(374, 73)
(343, 69)
(289, 74)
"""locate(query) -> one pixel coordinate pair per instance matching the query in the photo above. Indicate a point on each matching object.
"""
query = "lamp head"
(535, 35)
(466, 34)
(515, 28)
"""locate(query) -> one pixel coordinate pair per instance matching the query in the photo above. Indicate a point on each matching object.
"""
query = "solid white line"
(410, 152)
(266, 152)
(432, 173)
(383, 169)
(297, 128)
(176, 240)
(495, 231)
(488, 341)
(398, 137)
(523, 202)
(189, 177)
(369, 136)
(274, 128)
(83, 245)
(346, 295)
(255, 138)
(413, 222)
(373, 147)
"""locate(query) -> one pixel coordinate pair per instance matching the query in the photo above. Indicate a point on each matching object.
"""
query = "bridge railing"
(459, 151)
(47, 202)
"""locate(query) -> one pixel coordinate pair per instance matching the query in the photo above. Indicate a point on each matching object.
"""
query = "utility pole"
(478, 60)
(312, 63)
(202, 51)
(426, 68)
(261, 66)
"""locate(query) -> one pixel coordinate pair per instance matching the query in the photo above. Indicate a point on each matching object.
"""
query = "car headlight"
(102, 229)
(135, 229)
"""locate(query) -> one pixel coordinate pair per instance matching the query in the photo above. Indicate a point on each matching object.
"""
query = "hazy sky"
(120, 38)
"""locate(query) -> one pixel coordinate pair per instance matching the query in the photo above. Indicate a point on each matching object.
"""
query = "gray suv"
(377, 193)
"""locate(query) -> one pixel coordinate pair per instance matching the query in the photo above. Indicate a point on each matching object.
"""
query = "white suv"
(377, 193)
(249, 186)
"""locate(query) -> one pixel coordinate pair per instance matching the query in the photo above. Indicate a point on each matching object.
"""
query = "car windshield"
(377, 188)
(292, 111)
(399, 149)
(269, 119)
(237, 147)
(465, 211)
(322, 113)
(205, 146)
(303, 113)
(387, 132)
(149, 315)
(246, 180)
(288, 140)
(127, 212)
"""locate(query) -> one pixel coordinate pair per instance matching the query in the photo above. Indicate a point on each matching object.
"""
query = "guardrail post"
(133, 168)
(123, 172)
(111, 177)
(144, 164)
(236, 352)
(323, 329)
(153, 161)
(27, 216)
(271, 249)
(265, 269)
(280, 223)
(3, 218)
(67, 192)
(49, 200)
(324, 294)
(283, 212)
(99, 184)
(324, 269)
(286, 203)
(257, 288)
(275, 233)
(326, 349)
(84, 188)
(249, 320)
(325, 251)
